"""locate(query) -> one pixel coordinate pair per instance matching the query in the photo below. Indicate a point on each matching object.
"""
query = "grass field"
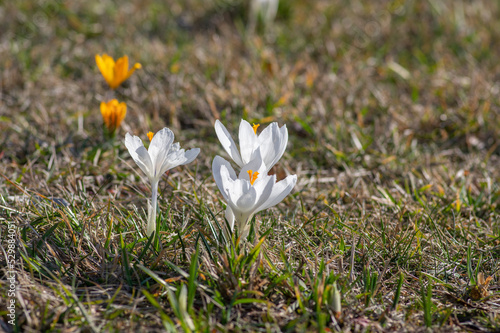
(393, 115)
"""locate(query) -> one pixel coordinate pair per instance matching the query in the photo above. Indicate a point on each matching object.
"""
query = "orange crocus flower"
(114, 72)
(113, 114)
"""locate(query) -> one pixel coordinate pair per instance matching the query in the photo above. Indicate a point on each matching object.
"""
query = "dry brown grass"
(394, 121)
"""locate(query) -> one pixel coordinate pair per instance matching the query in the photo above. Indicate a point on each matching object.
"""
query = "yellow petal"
(132, 70)
(106, 65)
(121, 69)
(105, 112)
(121, 113)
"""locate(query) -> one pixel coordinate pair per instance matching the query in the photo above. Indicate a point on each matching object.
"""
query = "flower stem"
(152, 211)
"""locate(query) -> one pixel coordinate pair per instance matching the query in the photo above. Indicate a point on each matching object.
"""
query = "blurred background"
(359, 83)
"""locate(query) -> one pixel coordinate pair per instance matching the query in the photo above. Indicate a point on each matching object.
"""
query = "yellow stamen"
(255, 126)
(113, 114)
(114, 72)
(150, 135)
(253, 176)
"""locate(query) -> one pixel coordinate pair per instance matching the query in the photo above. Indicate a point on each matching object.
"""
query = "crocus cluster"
(252, 189)
(247, 192)
(115, 73)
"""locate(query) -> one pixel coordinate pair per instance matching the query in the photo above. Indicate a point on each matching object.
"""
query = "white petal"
(228, 143)
(175, 147)
(268, 139)
(224, 175)
(190, 155)
(283, 139)
(264, 188)
(173, 158)
(280, 190)
(230, 217)
(159, 149)
(235, 189)
(244, 196)
(177, 157)
(272, 143)
(132, 142)
(139, 154)
(245, 199)
(255, 164)
(218, 162)
(248, 141)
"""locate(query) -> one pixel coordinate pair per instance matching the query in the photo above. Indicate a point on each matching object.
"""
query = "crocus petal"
(159, 148)
(223, 174)
(105, 112)
(139, 154)
(243, 196)
(228, 143)
(264, 188)
(162, 139)
(178, 157)
(216, 167)
(121, 113)
(190, 155)
(280, 190)
(272, 143)
(121, 69)
(256, 164)
(175, 157)
(248, 141)
(230, 217)
(106, 65)
(283, 139)
(132, 70)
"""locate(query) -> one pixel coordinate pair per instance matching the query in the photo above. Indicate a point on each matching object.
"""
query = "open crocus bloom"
(250, 192)
(115, 73)
(271, 143)
(161, 156)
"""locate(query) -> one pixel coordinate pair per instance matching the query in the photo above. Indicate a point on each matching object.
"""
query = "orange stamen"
(255, 126)
(150, 135)
(253, 176)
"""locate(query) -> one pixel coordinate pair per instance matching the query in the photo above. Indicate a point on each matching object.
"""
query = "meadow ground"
(393, 114)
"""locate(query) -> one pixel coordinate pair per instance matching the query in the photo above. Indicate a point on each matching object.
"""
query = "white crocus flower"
(161, 156)
(250, 192)
(271, 142)
(266, 10)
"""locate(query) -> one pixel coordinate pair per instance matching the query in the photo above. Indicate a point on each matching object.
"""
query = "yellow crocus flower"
(114, 72)
(113, 114)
